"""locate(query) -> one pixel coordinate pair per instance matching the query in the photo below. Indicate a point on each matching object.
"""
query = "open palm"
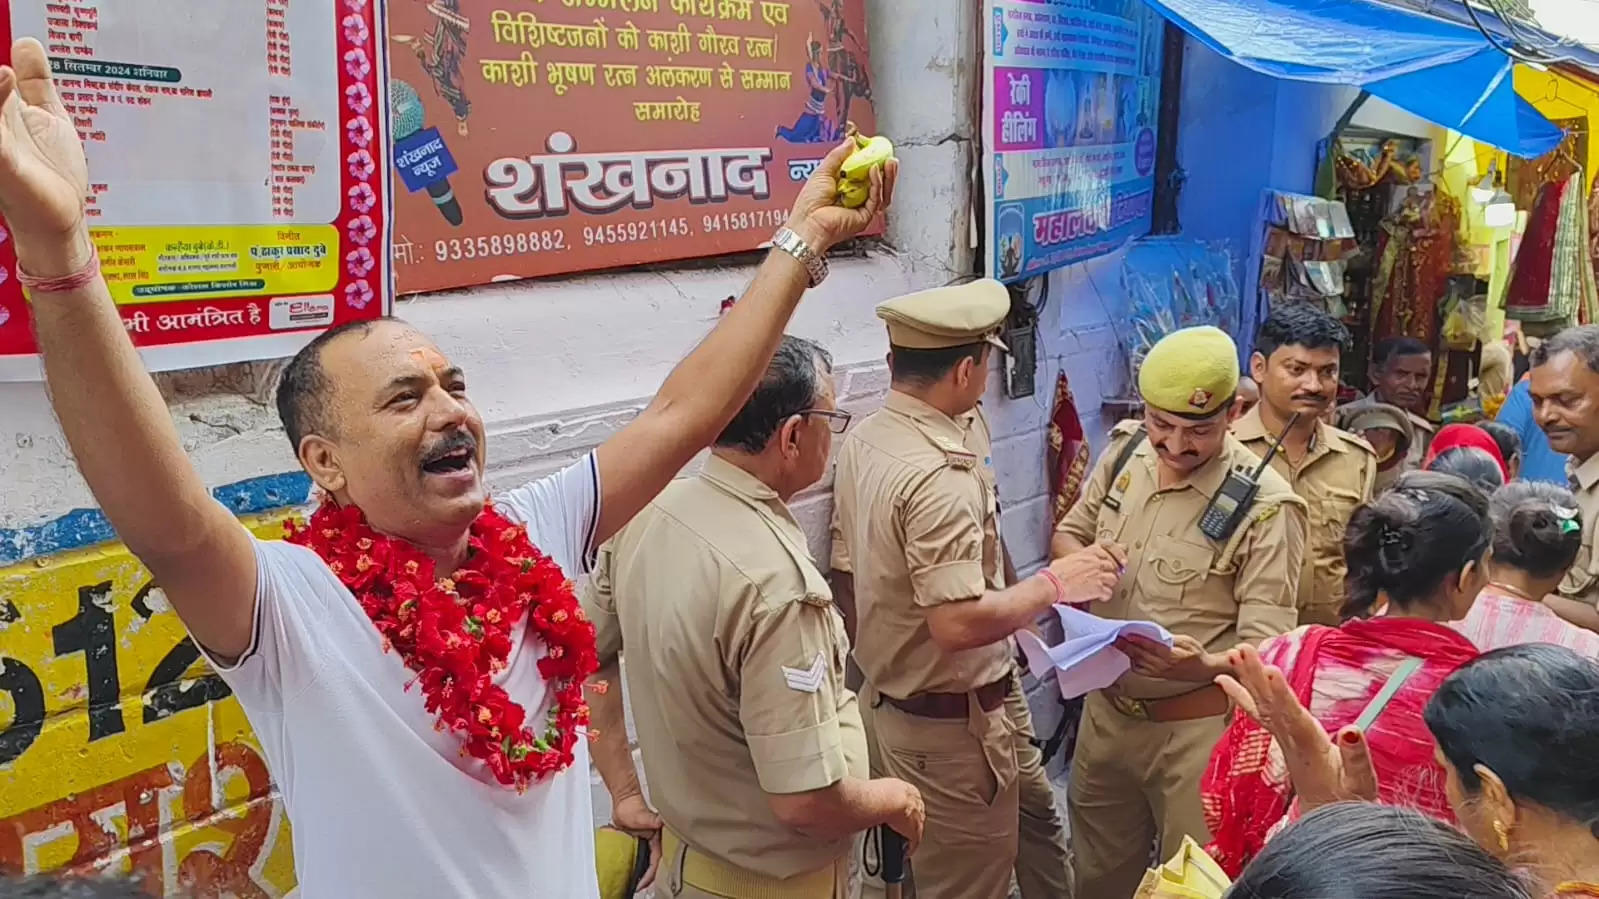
(43, 174)
(1323, 770)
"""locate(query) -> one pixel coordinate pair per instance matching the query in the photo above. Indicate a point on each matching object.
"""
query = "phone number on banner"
(657, 229)
(457, 248)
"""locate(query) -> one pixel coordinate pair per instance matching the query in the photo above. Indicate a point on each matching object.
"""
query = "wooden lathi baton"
(893, 847)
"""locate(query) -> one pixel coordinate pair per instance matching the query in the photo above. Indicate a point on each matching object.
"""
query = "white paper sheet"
(1086, 659)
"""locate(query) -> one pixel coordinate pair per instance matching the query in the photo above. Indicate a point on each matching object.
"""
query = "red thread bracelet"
(83, 277)
(1060, 588)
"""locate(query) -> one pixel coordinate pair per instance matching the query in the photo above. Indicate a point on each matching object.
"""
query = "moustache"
(450, 443)
(1318, 398)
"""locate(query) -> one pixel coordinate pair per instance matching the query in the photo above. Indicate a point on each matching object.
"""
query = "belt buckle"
(1132, 708)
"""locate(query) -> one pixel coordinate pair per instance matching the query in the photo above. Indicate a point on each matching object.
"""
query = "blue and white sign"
(422, 159)
(1071, 92)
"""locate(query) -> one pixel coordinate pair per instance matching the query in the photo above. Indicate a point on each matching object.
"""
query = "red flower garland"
(457, 632)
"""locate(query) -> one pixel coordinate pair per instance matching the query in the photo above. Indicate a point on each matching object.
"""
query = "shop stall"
(1477, 234)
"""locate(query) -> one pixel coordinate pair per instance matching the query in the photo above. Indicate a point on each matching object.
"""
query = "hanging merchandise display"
(1552, 280)
(1305, 248)
(1414, 254)
(1593, 227)
(1068, 452)
(1524, 177)
(1170, 283)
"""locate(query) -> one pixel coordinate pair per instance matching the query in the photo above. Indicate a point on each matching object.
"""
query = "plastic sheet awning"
(1442, 71)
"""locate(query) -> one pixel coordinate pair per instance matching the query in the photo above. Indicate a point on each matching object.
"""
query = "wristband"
(1053, 578)
(83, 277)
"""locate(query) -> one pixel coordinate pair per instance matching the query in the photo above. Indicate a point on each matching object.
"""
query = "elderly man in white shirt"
(413, 661)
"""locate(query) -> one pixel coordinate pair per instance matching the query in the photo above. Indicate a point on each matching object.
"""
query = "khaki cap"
(1371, 416)
(1192, 372)
(947, 316)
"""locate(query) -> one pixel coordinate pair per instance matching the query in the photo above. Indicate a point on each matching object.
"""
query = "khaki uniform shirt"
(1218, 593)
(1423, 429)
(735, 666)
(1337, 474)
(1582, 580)
(916, 519)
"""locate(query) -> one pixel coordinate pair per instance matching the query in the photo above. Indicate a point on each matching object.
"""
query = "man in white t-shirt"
(389, 795)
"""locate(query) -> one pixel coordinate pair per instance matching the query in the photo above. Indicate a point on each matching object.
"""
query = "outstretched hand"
(816, 215)
(43, 174)
(1323, 770)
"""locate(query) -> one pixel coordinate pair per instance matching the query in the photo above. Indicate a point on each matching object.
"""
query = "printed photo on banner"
(1071, 89)
(237, 198)
(590, 134)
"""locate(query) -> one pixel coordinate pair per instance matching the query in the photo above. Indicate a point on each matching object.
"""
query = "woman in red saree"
(1418, 548)
(1515, 731)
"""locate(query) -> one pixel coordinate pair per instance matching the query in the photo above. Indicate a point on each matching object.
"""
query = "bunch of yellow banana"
(855, 177)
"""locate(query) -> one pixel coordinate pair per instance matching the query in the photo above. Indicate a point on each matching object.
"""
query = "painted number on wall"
(91, 633)
(119, 748)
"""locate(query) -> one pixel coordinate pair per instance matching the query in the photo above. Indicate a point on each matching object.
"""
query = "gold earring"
(1503, 830)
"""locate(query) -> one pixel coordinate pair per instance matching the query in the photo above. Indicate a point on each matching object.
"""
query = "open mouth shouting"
(452, 460)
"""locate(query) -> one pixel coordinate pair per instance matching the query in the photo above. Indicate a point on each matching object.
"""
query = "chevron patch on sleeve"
(806, 680)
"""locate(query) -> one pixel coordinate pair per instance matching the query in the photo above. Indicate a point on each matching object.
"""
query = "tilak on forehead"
(430, 357)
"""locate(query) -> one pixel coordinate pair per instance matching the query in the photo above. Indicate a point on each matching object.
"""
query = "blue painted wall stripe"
(86, 527)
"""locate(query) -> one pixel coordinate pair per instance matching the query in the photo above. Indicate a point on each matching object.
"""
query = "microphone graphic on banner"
(420, 156)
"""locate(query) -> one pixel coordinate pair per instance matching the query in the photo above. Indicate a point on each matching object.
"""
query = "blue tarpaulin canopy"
(1442, 71)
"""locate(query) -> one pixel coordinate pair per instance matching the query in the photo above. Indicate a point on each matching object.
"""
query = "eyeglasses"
(837, 422)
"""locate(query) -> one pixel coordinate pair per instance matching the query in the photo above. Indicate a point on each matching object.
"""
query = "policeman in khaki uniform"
(1296, 363)
(1143, 744)
(916, 522)
(753, 748)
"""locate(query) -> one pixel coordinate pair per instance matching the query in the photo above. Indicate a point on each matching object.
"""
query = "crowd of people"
(1381, 679)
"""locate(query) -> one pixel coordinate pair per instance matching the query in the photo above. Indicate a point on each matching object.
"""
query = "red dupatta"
(1336, 672)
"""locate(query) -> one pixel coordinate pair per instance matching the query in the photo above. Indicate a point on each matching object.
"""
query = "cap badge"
(1200, 398)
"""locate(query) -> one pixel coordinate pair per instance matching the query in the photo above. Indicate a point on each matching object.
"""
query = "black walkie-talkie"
(1231, 503)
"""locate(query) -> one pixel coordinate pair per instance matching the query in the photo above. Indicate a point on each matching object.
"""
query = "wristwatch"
(794, 245)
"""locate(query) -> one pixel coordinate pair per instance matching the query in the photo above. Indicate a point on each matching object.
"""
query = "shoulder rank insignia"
(957, 455)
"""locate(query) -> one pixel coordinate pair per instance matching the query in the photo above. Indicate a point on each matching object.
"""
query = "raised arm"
(111, 412)
(702, 394)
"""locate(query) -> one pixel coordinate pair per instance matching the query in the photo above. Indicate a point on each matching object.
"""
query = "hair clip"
(1388, 535)
(1566, 512)
(1568, 525)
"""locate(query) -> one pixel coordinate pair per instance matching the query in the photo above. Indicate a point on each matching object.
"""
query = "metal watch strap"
(794, 245)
